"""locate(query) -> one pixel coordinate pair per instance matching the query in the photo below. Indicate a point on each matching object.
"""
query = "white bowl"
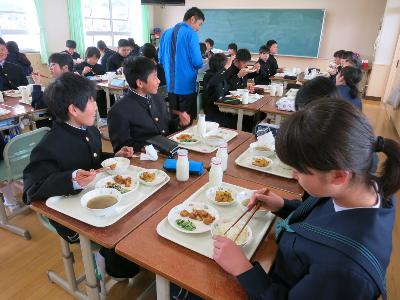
(102, 183)
(270, 162)
(234, 93)
(243, 198)
(211, 192)
(160, 177)
(122, 165)
(214, 140)
(219, 228)
(256, 149)
(101, 192)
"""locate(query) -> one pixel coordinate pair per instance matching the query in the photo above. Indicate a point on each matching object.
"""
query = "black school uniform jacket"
(75, 55)
(273, 65)
(233, 80)
(11, 77)
(134, 119)
(115, 62)
(62, 151)
(107, 53)
(311, 268)
(97, 69)
(262, 77)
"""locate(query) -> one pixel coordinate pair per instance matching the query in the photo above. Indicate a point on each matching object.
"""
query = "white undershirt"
(340, 208)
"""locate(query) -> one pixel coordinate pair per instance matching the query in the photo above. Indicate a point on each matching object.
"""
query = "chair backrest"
(17, 152)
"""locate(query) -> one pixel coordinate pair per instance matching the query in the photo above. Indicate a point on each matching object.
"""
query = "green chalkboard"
(297, 31)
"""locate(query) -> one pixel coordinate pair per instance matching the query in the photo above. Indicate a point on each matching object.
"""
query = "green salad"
(185, 224)
(119, 188)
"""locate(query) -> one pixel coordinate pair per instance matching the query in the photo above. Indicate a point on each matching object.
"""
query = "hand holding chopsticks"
(83, 177)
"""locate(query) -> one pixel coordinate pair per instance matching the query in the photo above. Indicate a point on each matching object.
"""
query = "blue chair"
(16, 157)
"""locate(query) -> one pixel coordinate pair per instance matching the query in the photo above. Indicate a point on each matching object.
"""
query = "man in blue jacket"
(180, 56)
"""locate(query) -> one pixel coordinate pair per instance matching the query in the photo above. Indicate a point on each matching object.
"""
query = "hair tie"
(380, 144)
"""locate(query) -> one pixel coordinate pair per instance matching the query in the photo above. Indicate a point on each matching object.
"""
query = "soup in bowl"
(101, 202)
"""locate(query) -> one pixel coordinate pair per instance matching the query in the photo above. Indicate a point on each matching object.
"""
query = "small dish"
(122, 165)
(221, 195)
(261, 162)
(219, 228)
(105, 199)
(214, 140)
(117, 183)
(260, 149)
(145, 177)
(186, 139)
(243, 199)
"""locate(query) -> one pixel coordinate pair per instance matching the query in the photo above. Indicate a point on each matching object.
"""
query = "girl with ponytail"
(347, 81)
(336, 244)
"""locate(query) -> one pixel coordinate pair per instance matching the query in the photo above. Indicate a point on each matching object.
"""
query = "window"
(18, 22)
(107, 20)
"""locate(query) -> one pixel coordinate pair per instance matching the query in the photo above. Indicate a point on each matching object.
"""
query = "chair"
(16, 157)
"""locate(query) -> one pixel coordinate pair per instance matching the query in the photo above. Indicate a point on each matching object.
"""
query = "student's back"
(347, 82)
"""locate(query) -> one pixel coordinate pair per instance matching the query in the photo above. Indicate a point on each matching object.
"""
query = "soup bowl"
(101, 202)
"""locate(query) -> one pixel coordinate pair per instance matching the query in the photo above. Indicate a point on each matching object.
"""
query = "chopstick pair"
(96, 171)
(256, 208)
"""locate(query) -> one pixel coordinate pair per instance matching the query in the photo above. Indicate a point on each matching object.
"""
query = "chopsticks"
(256, 208)
(96, 171)
(37, 73)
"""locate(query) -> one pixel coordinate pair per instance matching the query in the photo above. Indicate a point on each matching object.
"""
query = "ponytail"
(389, 181)
(352, 77)
(353, 91)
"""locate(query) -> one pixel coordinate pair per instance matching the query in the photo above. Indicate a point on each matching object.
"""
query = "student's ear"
(64, 69)
(139, 83)
(72, 110)
(340, 177)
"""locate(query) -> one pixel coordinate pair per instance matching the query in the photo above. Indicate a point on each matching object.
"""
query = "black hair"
(347, 54)
(263, 49)
(149, 51)
(12, 47)
(270, 43)
(70, 44)
(68, 89)
(217, 62)
(354, 60)
(352, 76)
(210, 41)
(2, 42)
(233, 46)
(314, 89)
(203, 48)
(138, 67)
(243, 55)
(101, 45)
(311, 139)
(132, 43)
(124, 43)
(194, 12)
(62, 59)
(339, 53)
(92, 51)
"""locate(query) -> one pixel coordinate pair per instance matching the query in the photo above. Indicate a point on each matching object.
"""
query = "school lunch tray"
(202, 243)
(71, 205)
(201, 146)
(245, 160)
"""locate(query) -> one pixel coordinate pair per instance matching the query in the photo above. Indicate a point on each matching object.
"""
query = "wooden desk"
(270, 107)
(240, 109)
(288, 185)
(172, 262)
(275, 78)
(109, 236)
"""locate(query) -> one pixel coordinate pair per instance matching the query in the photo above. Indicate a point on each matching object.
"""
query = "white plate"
(270, 162)
(174, 214)
(211, 192)
(122, 165)
(160, 177)
(134, 185)
(12, 93)
(187, 143)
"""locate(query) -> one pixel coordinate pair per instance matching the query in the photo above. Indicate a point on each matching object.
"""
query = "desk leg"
(162, 286)
(239, 120)
(108, 99)
(91, 282)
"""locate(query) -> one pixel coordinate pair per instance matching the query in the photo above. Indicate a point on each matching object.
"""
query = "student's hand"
(120, 70)
(184, 119)
(229, 62)
(229, 256)
(86, 70)
(36, 77)
(257, 67)
(125, 152)
(271, 201)
(83, 177)
(242, 73)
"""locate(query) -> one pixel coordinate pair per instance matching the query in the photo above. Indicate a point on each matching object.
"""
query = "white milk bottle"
(201, 125)
(222, 153)
(216, 173)
(182, 165)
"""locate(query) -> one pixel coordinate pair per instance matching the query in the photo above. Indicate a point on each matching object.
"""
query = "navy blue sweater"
(344, 93)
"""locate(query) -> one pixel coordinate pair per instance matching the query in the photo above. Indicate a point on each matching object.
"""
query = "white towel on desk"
(151, 153)
(285, 104)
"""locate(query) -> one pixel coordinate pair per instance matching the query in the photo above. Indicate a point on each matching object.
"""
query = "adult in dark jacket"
(140, 114)
(18, 58)
(105, 53)
(11, 75)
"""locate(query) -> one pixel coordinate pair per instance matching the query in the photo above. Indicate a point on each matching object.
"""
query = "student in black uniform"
(272, 47)
(149, 51)
(71, 46)
(90, 66)
(105, 53)
(263, 75)
(209, 45)
(63, 162)
(140, 114)
(232, 49)
(18, 58)
(215, 87)
(135, 48)
(11, 75)
(336, 244)
(115, 61)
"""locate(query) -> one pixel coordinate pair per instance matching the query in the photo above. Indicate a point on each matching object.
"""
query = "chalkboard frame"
(317, 45)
